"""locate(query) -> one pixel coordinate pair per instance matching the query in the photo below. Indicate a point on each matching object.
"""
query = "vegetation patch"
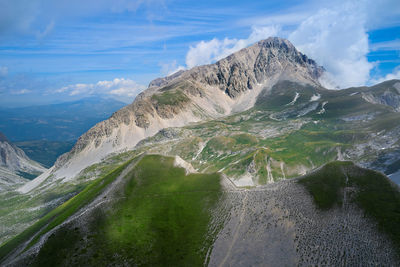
(170, 98)
(59, 214)
(162, 219)
(326, 184)
(374, 193)
(380, 199)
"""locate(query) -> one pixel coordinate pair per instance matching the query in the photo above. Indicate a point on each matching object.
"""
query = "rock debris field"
(273, 225)
(279, 225)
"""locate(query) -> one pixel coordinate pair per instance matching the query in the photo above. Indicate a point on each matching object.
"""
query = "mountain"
(248, 161)
(202, 93)
(15, 166)
(56, 122)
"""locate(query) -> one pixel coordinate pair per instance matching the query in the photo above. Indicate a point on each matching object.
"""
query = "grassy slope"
(162, 217)
(170, 98)
(326, 184)
(375, 194)
(58, 215)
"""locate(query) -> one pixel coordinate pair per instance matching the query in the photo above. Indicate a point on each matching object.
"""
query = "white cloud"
(21, 92)
(394, 75)
(118, 87)
(337, 39)
(389, 45)
(333, 33)
(49, 28)
(206, 52)
(170, 68)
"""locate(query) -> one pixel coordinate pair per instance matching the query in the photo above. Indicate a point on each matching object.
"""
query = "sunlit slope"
(157, 215)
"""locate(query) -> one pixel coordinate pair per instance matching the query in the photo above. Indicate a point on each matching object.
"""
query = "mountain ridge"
(15, 165)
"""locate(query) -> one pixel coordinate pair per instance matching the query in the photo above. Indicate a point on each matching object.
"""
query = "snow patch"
(283, 172)
(339, 154)
(294, 100)
(322, 111)
(307, 109)
(315, 97)
(202, 145)
(270, 177)
(354, 93)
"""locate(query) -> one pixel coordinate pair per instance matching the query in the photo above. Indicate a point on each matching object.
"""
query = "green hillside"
(370, 190)
(160, 211)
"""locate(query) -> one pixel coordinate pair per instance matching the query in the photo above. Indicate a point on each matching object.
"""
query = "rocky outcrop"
(14, 163)
(386, 93)
(245, 69)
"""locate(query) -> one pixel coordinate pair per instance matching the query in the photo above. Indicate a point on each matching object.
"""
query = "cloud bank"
(336, 37)
(394, 75)
(123, 89)
(214, 50)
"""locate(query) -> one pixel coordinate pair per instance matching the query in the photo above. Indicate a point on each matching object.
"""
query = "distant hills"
(56, 122)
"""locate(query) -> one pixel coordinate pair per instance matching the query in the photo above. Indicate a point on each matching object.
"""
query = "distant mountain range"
(56, 122)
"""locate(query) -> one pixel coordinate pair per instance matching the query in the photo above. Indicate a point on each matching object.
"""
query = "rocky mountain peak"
(204, 92)
(14, 161)
(250, 66)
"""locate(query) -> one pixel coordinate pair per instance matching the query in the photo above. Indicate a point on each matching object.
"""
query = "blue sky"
(59, 50)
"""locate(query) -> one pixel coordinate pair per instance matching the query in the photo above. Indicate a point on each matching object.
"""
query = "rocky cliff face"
(14, 163)
(387, 93)
(205, 92)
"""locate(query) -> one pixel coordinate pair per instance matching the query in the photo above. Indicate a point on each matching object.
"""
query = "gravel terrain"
(279, 225)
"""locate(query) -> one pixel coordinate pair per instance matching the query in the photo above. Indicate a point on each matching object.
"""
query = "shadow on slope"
(338, 182)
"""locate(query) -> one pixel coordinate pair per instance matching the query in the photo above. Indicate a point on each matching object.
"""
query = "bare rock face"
(230, 85)
(254, 65)
(14, 161)
(386, 93)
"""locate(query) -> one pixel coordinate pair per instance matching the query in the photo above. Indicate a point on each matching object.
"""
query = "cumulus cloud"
(336, 36)
(170, 68)
(337, 40)
(119, 87)
(394, 75)
(206, 52)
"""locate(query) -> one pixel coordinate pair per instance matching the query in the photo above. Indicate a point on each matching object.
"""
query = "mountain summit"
(206, 92)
